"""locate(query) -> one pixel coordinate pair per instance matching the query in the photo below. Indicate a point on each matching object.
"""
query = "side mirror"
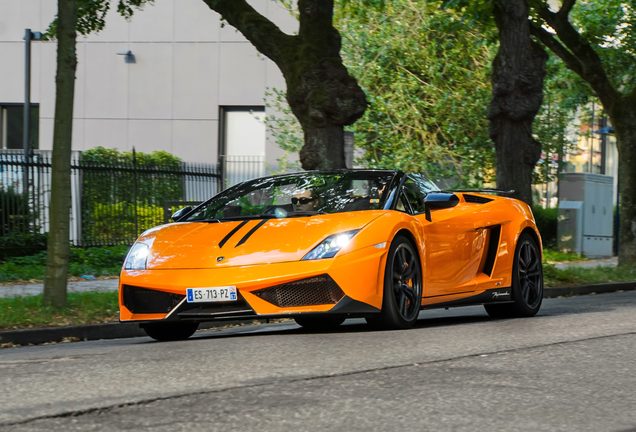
(180, 213)
(439, 200)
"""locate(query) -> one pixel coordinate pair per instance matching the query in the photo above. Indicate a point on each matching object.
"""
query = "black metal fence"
(111, 204)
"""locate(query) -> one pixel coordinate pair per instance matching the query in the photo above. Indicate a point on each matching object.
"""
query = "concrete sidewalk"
(29, 289)
(589, 263)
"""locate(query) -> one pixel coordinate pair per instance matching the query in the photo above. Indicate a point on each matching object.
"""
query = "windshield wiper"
(248, 217)
(305, 213)
(298, 213)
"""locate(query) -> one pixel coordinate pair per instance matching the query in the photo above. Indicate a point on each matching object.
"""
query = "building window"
(11, 123)
(242, 143)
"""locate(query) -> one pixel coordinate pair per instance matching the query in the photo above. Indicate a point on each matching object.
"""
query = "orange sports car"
(324, 246)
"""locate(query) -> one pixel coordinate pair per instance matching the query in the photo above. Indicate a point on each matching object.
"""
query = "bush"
(114, 176)
(18, 244)
(115, 223)
(546, 219)
(18, 233)
(96, 261)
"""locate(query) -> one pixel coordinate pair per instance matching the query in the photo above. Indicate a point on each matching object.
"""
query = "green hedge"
(115, 223)
(122, 196)
(546, 219)
(17, 236)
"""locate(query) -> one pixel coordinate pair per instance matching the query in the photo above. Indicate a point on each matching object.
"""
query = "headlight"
(137, 257)
(331, 245)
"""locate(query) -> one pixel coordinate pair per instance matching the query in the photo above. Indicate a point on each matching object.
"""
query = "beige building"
(173, 78)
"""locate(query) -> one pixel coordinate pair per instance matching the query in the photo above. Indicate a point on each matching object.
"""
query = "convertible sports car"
(324, 246)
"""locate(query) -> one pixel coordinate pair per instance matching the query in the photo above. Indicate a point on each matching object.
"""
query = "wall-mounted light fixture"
(129, 57)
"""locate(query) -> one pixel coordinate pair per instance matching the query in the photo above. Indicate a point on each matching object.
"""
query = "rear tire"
(402, 298)
(170, 331)
(527, 282)
(319, 322)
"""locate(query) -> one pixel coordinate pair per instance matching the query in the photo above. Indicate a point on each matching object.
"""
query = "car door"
(453, 248)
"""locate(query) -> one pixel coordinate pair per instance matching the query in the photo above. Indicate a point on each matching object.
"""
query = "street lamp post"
(26, 110)
(26, 119)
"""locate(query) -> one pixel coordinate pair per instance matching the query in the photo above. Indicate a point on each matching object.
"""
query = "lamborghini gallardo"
(320, 247)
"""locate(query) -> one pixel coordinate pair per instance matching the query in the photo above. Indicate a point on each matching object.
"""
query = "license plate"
(211, 294)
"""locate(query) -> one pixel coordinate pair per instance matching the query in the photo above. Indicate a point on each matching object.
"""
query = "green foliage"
(285, 128)
(82, 308)
(554, 277)
(425, 71)
(564, 95)
(120, 222)
(91, 15)
(123, 194)
(610, 27)
(102, 261)
(553, 255)
(15, 214)
(17, 236)
(546, 219)
(15, 244)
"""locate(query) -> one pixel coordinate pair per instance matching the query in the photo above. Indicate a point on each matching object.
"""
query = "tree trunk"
(623, 117)
(59, 211)
(322, 148)
(517, 79)
(320, 91)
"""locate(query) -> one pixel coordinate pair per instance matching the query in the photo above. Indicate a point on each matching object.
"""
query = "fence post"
(134, 160)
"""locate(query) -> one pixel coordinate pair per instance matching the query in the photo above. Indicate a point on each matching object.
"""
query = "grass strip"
(552, 255)
(82, 308)
(554, 277)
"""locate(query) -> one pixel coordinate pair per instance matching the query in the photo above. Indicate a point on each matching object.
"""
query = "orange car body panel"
(452, 249)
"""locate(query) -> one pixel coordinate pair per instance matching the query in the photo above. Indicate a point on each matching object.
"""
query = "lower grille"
(305, 292)
(144, 300)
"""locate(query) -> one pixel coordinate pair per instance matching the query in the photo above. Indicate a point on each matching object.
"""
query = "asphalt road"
(571, 368)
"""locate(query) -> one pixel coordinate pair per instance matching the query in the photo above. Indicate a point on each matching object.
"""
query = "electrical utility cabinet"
(586, 214)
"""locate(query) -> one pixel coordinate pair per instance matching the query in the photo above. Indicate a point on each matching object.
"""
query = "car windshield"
(295, 195)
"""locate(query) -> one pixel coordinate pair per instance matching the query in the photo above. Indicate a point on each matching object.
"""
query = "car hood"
(198, 245)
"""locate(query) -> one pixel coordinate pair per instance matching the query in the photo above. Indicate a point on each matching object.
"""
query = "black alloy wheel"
(527, 282)
(170, 331)
(402, 297)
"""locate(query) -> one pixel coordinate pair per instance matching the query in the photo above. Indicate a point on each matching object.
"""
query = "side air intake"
(491, 251)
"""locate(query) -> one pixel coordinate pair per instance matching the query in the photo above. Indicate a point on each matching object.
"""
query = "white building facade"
(173, 78)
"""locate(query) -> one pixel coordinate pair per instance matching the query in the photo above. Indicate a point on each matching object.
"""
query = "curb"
(88, 332)
(603, 288)
(129, 330)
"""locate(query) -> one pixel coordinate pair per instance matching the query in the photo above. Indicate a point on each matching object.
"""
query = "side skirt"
(497, 295)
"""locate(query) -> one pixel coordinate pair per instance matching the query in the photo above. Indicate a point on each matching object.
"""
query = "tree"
(58, 241)
(518, 72)
(426, 73)
(598, 43)
(320, 91)
(73, 16)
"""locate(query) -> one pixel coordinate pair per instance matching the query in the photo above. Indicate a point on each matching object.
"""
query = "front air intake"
(145, 301)
(317, 290)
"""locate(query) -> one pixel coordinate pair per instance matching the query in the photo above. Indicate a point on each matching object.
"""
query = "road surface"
(571, 368)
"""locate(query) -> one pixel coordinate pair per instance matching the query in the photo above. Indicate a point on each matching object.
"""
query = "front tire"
(527, 282)
(402, 296)
(170, 331)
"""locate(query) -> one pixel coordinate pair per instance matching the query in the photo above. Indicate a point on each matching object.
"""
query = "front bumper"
(348, 284)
